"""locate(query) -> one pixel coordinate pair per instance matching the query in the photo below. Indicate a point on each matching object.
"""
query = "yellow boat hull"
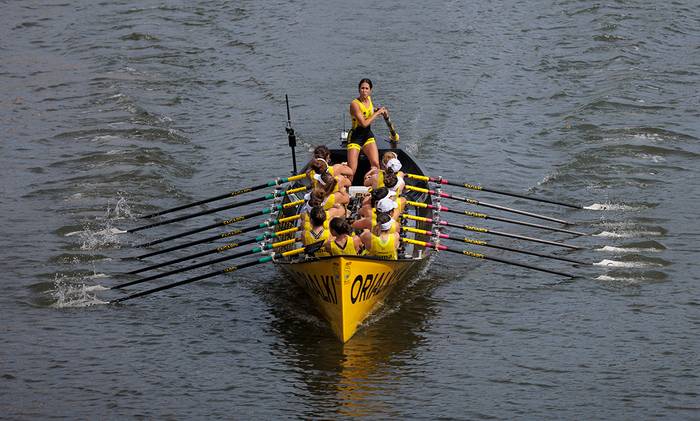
(347, 289)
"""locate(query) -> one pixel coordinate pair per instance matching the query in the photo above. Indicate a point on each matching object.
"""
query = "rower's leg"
(353, 156)
(370, 149)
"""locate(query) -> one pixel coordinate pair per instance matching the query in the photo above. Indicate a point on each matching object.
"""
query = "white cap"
(386, 205)
(394, 165)
(387, 225)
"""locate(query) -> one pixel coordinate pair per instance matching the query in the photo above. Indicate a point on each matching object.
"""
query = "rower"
(315, 225)
(341, 241)
(390, 165)
(342, 169)
(379, 242)
(385, 205)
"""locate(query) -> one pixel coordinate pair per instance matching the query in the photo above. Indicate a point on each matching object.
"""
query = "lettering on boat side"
(364, 288)
(237, 192)
(321, 286)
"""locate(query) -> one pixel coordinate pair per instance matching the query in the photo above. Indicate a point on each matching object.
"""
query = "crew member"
(360, 137)
(379, 242)
(341, 242)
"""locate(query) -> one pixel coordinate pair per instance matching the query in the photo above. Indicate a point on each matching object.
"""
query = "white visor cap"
(394, 165)
(386, 205)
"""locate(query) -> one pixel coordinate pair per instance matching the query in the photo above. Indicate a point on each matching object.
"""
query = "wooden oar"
(488, 205)
(265, 211)
(308, 249)
(220, 249)
(220, 208)
(223, 235)
(441, 180)
(495, 218)
(482, 256)
(485, 244)
(271, 183)
(393, 135)
(488, 231)
(209, 262)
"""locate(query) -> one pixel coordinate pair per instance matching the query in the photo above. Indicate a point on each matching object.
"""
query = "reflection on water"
(349, 379)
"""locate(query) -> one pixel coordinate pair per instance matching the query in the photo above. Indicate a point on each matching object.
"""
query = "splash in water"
(619, 264)
(613, 249)
(609, 206)
(105, 235)
(629, 234)
(72, 292)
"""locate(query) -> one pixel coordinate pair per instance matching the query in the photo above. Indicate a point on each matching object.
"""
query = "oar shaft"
(488, 231)
(441, 180)
(207, 263)
(220, 249)
(224, 223)
(271, 183)
(211, 274)
(393, 135)
(190, 280)
(495, 218)
(218, 209)
(485, 244)
(440, 247)
(488, 205)
(222, 236)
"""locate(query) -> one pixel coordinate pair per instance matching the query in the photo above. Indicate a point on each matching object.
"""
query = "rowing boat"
(347, 289)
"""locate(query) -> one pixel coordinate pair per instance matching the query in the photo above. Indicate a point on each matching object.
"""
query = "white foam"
(68, 294)
(607, 278)
(628, 234)
(612, 249)
(609, 206)
(619, 264)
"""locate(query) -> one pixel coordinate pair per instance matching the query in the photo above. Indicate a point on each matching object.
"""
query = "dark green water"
(112, 110)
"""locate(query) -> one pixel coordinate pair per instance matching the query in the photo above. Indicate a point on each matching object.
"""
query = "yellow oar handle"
(418, 177)
(288, 219)
(292, 204)
(417, 204)
(282, 233)
(418, 189)
(293, 252)
(296, 190)
(284, 243)
(297, 177)
(416, 230)
(414, 242)
(416, 218)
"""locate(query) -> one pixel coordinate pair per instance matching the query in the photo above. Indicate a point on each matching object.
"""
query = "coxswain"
(360, 137)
